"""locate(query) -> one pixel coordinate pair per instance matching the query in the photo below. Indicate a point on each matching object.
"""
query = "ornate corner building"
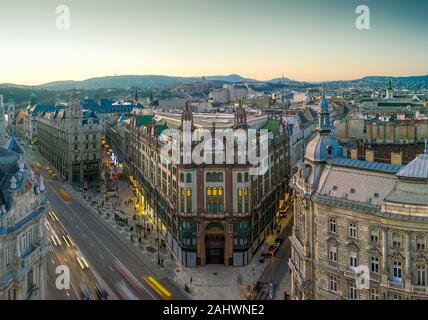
(70, 139)
(23, 244)
(210, 213)
(353, 215)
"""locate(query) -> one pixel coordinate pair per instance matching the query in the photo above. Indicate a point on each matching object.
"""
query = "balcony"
(31, 256)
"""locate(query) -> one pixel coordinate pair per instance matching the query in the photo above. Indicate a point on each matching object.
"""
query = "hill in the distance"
(129, 81)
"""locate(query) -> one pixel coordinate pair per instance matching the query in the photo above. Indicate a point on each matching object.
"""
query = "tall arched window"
(182, 195)
(220, 200)
(209, 177)
(220, 177)
(246, 200)
(239, 199)
(421, 275)
(246, 177)
(189, 200)
(209, 199)
(181, 177)
(188, 178)
(239, 177)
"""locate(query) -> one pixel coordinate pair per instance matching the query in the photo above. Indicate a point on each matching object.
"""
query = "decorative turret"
(323, 146)
(240, 120)
(33, 100)
(74, 109)
(187, 114)
(324, 116)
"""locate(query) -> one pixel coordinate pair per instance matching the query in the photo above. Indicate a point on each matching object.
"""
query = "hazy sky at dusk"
(304, 39)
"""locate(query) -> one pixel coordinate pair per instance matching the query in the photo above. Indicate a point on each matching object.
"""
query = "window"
(188, 178)
(246, 176)
(374, 236)
(421, 275)
(7, 254)
(209, 177)
(182, 199)
(332, 225)
(30, 279)
(246, 200)
(181, 177)
(374, 294)
(239, 177)
(332, 253)
(374, 264)
(332, 283)
(352, 291)
(26, 241)
(353, 230)
(397, 270)
(420, 243)
(189, 200)
(239, 197)
(75, 147)
(353, 262)
(396, 240)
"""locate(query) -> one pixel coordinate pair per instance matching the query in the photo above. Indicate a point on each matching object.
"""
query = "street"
(114, 264)
(277, 267)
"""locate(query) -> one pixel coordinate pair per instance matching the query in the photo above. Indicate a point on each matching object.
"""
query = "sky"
(305, 40)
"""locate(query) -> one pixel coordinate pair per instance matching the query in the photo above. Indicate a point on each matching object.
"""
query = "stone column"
(408, 257)
(307, 226)
(384, 249)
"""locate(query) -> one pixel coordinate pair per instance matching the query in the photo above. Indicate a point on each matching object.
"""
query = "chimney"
(369, 155)
(396, 158)
(354, 154)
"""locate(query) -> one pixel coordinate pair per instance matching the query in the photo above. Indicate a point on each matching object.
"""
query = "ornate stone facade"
(353, 215)
(23, 243)
(70, 139)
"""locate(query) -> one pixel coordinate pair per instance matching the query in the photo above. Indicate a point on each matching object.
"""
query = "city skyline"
(308, 41)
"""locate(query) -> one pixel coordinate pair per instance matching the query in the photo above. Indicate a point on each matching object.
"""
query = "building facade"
(70, 139)
(360, 228)
(23, 243)
(208, 213)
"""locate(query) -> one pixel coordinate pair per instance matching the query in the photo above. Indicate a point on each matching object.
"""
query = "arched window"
(421, 275)
(239, 177)
(189, 200)
(220, 177)
(182, 195)
(181, 177)
(220, 199)
(246, 177)
(239, 195)
(209, 177)
(246, 201)
(209, 200)
(188, 177)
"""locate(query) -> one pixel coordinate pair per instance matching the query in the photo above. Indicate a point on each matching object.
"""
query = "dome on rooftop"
(322, 148)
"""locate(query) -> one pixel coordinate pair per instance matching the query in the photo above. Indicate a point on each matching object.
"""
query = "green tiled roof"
(272, 125)
(144, 119)
(160, 128)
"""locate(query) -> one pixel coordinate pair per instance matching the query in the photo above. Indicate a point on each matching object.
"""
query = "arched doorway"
(214, 243)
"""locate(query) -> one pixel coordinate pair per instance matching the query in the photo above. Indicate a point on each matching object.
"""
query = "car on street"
(84, 292)
(101, 293)
(262, 258)
(272, 250)
(279, 241)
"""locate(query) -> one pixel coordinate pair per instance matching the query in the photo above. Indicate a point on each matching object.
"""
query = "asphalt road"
(278, 265)
(114, 262)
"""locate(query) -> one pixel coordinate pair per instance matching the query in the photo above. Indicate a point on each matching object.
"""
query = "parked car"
(279, 241)
(272, 250)
(262, 258)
